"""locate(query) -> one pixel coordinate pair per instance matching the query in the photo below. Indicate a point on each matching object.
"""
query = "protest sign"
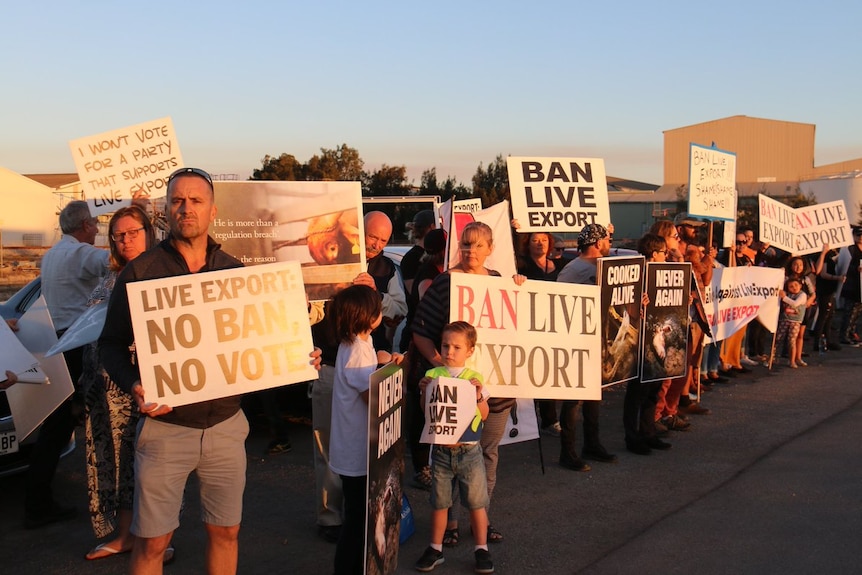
(116, 166)
(538, 340)
(385, 468)
(558, 194)
(450, 408)
(804, 230)
(711, 183)
(497, 218)
(522, 424)
(14, 356)
(470, 206)
(666, 321)
(737, 295)
(621, 281)
(32, 403)
(318, 224)
(86, 329)
(215, 334)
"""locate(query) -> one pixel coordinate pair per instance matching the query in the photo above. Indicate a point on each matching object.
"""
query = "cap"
(683, 219)
(435, 241)
(591, 234)
(423, 219)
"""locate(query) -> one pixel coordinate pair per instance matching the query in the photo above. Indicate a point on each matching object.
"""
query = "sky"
(447, 85)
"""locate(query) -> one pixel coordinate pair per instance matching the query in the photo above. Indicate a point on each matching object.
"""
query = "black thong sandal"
(494, 536)
(450, 537)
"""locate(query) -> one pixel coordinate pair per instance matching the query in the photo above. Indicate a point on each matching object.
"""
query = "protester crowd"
(140, 453)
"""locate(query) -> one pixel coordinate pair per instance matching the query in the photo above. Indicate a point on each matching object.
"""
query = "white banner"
(737, 295)
(538, 340)
(777, 224)
(450, 407)
(711, 183)
(134, 161)
(804, 230)
(558, 194)
(216, 334)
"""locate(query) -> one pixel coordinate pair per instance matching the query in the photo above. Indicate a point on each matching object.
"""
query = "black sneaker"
(656, 443)
(483, 561)
(431, 559)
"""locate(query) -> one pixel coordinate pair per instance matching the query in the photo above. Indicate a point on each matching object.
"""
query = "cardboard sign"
(666, 321)
(540, 340)
(385, 468)
(450, 407)
(211, 335)
(711, 183)
(804, 230)
(558, 194)
(621, 281)
(116, 166)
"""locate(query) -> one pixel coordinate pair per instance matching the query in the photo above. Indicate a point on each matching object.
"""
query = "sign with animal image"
(318, 224)
(122, 164)
(621, 281)
(539, 340)
(215, 334)
(558, 194)
(385, 468)
(450, 410)
(666, 321)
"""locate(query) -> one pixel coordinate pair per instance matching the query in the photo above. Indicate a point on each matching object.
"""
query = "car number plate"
(8, 442)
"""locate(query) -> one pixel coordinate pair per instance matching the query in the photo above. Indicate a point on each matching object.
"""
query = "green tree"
(450, 188)
(492, 184)
(283, 167)
(341, 164)
(387, 181)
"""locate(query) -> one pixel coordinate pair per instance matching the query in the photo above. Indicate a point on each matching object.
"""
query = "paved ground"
(770, 482)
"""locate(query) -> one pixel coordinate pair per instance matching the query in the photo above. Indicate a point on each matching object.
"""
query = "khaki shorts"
(165, 455)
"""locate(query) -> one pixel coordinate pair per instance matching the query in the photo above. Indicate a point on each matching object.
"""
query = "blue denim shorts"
(463, 465)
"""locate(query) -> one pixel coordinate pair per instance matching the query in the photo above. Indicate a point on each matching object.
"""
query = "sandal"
(450, 537)
(494, 536)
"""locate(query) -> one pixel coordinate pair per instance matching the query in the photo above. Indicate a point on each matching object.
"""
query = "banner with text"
(450, 407)
(711, 183)
(216, 334)
(804, 230)
(621, 281)
(385, 468)
(558, 194)
(737, 295)
(116, 166)
(539, 340)
(666, 321)
(318, 224)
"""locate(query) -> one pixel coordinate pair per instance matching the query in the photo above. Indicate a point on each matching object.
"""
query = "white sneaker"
(745, 360)
(552, 430)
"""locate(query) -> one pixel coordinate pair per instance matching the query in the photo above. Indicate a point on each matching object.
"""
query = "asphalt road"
(770, 482)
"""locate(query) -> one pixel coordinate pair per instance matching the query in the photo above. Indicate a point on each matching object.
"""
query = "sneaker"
(483, 561)
(656, 443)
(278, 446)
(660, 429)
(745, 360)
(552, 430)
(422, 479)
(675, 423)
(431, 559)
(574, 464)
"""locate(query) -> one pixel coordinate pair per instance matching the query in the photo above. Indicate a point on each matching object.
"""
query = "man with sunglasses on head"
(206, 437)
(71, 269)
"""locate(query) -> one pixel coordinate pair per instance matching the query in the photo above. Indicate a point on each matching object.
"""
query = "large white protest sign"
(210, 335)
(121, 164)
(738, 295)
(450, 408)
(804, 230)
(318, 224)
(32, 403)
(558, 194)
(711, 183)
(540, 340)
(14, 356)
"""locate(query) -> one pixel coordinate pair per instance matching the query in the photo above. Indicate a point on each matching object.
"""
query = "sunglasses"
(195, 171)
(740, 242)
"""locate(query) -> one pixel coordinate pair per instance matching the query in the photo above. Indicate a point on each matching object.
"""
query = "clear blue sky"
(445, 84)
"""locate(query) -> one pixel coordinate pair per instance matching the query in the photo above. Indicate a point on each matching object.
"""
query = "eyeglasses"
(661, 252)
(195, 171)
(130, 234)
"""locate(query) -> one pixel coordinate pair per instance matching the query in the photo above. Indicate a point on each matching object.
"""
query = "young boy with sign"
(461, 461)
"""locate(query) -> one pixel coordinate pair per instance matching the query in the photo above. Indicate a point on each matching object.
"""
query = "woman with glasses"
(112, 415)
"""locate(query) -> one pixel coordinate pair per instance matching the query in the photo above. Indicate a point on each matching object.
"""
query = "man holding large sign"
(207, 437)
